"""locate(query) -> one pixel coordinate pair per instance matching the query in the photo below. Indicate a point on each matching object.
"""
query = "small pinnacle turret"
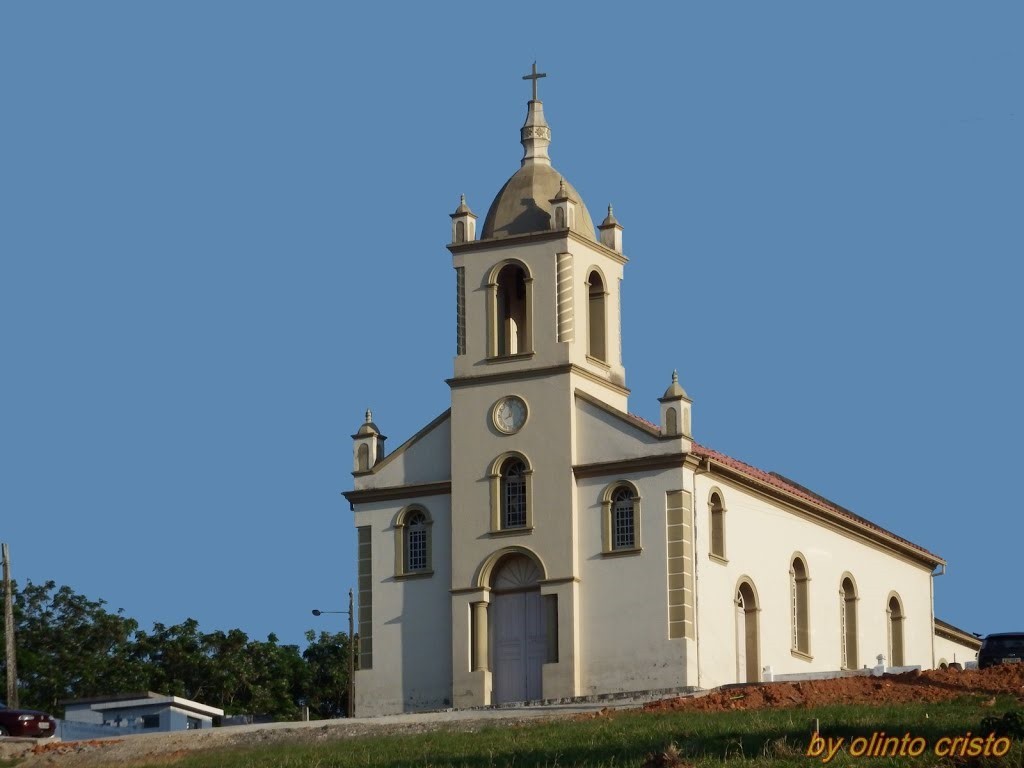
(611, 231)
(463, 223)
(562, 194)
(675, 410)
(367, 445)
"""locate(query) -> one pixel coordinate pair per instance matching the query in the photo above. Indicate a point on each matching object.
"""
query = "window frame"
(800, 606)
(717, 520)
(512, 490)
(497, 491)
(608, 527)
(402, 525)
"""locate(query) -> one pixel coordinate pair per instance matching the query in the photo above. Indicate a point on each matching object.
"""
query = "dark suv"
(25, 722)
(1001, 648)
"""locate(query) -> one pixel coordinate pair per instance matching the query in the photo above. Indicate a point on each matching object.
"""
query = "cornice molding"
(625, 466)
(390, 493)
(535, 373)
(535, 237)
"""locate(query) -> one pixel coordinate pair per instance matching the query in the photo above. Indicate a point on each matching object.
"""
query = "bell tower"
(538, 319)
(538, 289)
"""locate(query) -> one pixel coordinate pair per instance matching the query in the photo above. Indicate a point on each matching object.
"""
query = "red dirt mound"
(933, 685)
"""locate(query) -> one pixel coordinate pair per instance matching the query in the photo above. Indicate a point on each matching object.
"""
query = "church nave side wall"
(761, 539)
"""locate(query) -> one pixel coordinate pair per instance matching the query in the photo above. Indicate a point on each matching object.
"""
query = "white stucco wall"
(411, 617)
(601, 436)
(761, 538)
(428, 460)
(624, 637)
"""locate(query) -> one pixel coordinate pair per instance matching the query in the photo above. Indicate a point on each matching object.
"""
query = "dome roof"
(524, 204)
(367, 428)
(675, 390)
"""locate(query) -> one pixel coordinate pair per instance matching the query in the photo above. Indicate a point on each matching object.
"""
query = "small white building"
(955, 646)
(537, 541)
(146, 712)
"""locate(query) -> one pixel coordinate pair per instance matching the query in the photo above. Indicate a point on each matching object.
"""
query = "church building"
(537, 541)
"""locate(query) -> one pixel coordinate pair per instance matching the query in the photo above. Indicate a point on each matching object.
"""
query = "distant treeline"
(71, 647)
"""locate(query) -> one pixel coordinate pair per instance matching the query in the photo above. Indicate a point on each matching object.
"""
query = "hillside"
(740, 722)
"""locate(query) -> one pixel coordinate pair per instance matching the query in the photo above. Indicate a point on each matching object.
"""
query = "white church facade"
(536, 541)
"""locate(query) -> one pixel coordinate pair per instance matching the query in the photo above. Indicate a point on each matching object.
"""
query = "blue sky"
(222, 231)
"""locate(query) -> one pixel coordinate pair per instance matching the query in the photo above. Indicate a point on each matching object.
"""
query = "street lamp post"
(350, 705)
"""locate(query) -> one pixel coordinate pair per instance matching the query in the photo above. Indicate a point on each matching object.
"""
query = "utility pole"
(350, 710)
(12, 661)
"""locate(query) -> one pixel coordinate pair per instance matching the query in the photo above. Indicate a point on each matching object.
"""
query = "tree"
(176, 659)
(327, 664)
(71, 647)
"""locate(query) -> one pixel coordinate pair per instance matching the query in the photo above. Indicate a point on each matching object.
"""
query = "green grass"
(740, 738)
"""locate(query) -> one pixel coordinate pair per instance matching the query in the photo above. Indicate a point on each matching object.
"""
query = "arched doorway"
(748, 656)
(518, 632)
(848, 623)
(895, 617)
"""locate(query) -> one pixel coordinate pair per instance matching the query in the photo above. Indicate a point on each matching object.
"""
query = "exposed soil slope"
(932, 685)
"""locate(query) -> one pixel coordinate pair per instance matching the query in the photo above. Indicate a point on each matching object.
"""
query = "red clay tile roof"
(778, 481)
(645, 422)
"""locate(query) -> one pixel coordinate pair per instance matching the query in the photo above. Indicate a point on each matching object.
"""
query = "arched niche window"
(511, 307)
(511, 493)
(748, 633)
(596, 321)
(413, 550)
(671, 422)
(716, 513)
(895, 618)
(799, 593)
(620, 518)
(460, 231)
(363, 458)
(559, 218)
(848, 622)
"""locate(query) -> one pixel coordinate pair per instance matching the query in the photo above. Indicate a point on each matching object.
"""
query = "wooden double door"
(519, 640)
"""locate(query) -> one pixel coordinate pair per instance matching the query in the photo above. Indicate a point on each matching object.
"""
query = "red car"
(25, 722)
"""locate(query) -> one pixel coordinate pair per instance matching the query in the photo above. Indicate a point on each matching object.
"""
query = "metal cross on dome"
(535, 76)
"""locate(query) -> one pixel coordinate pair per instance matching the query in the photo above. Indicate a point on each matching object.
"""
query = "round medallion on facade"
(509, 414)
